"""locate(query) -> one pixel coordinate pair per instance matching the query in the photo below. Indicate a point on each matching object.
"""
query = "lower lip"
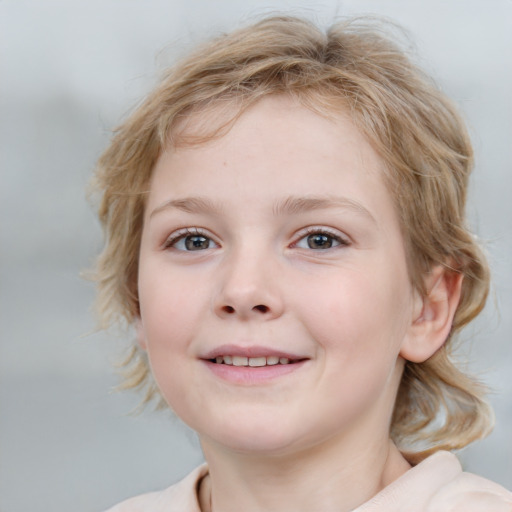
(252, 374)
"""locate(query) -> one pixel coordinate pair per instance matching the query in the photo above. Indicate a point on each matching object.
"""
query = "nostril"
(230, 310)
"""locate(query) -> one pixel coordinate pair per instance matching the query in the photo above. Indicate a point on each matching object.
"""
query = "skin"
(315, 438)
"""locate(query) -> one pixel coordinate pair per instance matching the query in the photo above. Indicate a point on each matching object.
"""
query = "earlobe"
(433, 315)
(141, 336)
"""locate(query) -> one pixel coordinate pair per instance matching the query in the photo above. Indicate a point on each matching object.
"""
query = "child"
(285, 231)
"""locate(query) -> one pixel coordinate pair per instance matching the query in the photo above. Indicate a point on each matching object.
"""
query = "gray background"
(69, 71)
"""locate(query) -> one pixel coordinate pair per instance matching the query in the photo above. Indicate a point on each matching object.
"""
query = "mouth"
(252, 365)
(254, 362)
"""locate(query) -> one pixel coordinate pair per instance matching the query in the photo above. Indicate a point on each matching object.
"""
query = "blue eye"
(320, 240)
(190, 241)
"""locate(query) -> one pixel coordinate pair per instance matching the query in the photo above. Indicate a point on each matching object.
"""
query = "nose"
(249, 287)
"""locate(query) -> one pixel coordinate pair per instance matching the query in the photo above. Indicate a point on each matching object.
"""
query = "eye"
(190, 240)
(320, 239)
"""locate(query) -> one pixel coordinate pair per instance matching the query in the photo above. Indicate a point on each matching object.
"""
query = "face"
(273, 286)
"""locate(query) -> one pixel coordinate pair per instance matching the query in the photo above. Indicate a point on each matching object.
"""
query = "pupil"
(319, 241)
(196, 242)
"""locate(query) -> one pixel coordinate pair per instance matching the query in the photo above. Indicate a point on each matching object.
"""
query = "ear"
(141, 336)
(433, 315)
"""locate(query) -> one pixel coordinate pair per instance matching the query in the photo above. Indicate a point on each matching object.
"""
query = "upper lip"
(249, 351)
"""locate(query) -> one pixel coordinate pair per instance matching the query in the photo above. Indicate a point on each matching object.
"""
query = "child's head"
(353, 72)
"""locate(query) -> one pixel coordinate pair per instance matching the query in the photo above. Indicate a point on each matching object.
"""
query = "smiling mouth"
(254, 362)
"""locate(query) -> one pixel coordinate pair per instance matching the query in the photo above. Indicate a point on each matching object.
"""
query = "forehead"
(315, 117)
(277, 147)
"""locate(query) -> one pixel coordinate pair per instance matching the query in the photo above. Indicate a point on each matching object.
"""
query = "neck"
(333, 477)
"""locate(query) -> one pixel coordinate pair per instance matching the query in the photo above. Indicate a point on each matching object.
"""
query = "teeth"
(251, 361)
(240, 361)
(257, 361)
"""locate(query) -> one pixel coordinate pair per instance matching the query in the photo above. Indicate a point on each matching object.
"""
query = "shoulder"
(438, 484)
(470, 493)
(176, 498)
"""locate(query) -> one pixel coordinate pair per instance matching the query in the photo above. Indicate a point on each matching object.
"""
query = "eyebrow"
(295, 205)
(292, 205)
(189, 205)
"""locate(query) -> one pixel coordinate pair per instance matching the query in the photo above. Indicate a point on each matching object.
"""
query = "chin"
(254, 438)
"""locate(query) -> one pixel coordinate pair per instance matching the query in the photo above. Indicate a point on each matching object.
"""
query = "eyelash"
(184, 233)
(317, 230)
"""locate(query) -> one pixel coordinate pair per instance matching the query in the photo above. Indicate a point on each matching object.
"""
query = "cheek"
(169, 317)
(358, 329)
(169, 304)
(360, 316)
(167, 333)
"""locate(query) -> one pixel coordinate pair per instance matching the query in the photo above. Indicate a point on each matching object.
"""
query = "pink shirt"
(418, 488)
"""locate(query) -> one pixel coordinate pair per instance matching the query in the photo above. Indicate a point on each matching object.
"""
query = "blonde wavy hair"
(356, 67)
